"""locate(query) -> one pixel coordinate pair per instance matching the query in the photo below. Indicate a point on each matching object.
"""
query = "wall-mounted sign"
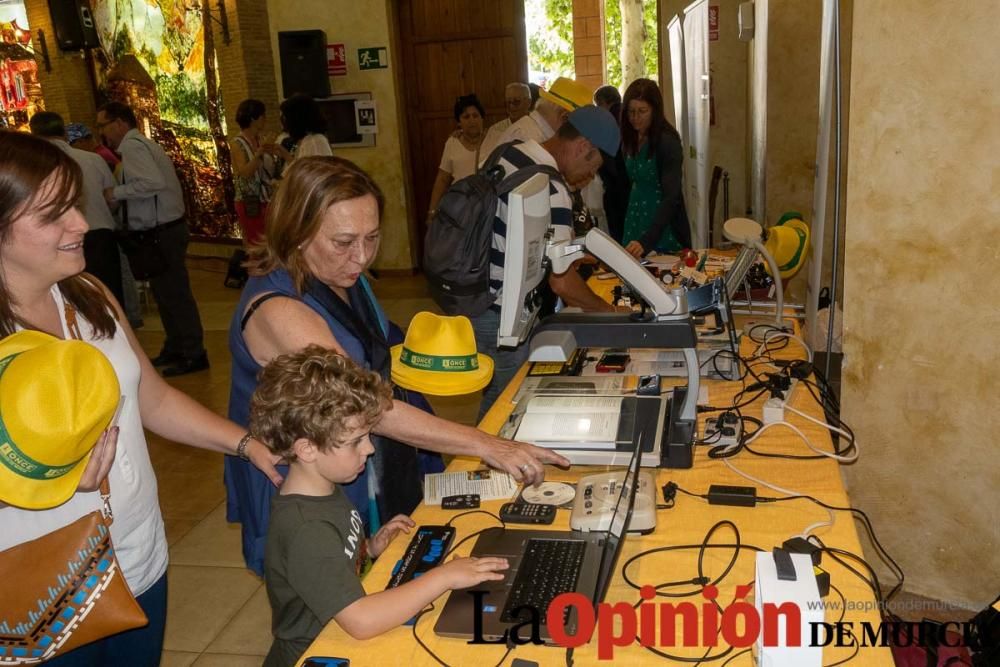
(375, 57)
(713, 23)
(364, 114)
(336, 60)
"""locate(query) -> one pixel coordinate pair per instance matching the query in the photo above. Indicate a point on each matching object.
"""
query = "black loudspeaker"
(303, 63)
(74, 25)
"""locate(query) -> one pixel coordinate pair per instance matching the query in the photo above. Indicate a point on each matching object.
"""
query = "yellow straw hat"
(439, 357)
(788, 243)
(56, 397)
(568, 94)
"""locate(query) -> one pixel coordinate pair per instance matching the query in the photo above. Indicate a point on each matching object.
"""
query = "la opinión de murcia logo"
(740, 625)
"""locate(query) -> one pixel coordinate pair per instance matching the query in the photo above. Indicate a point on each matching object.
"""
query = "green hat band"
(564, 99)
(432, 362)
(798, 252)
(17, 461)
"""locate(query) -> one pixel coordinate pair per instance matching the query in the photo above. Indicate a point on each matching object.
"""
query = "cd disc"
(549, 493)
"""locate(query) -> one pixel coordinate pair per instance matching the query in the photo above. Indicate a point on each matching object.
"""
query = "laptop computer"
(543, 564)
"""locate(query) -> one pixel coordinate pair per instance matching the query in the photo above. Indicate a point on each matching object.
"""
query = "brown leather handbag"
(64, 589)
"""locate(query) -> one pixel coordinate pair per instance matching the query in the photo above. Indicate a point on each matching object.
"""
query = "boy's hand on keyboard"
(466, 572)
(380, 540)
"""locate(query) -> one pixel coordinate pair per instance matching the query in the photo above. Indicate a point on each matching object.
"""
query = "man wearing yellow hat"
(552, 110)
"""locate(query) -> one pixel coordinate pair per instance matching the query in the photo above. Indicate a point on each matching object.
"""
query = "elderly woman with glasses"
(461, 153)
(307, 287)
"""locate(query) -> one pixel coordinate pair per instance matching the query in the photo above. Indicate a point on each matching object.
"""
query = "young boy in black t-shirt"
(317, 409)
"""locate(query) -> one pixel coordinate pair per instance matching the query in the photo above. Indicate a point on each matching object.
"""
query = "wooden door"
(452, 48)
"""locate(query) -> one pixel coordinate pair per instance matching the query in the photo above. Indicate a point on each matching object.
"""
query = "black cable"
(897, 571)
(459, 516)
(671, 488)
(837, 169)
(510, 647)
(474, 534)
(725, 451)
(700, 580)
(836, 554)
(416, 621)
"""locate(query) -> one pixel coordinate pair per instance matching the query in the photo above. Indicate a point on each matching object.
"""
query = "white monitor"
(528, 217)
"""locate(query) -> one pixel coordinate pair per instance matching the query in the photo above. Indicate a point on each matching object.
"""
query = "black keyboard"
(548, 568)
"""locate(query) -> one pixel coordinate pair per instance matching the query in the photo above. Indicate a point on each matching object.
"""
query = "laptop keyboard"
(548, 568)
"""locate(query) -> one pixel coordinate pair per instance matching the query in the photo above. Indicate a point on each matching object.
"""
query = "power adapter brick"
(737, 496)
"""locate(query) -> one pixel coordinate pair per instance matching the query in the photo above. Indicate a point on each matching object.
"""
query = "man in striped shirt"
(575, 150)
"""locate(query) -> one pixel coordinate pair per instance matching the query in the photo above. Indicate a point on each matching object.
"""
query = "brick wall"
(588, 42)
(246, 68)
(67, 89)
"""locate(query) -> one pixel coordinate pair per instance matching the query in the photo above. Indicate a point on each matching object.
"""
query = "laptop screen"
(619, 524)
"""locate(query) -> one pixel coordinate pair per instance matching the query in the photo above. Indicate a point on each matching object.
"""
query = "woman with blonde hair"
(307, 287)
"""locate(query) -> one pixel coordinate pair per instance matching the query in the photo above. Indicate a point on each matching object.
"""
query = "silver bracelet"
(241, 449)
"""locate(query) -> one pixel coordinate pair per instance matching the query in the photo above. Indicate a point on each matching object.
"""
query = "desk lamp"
(750, 234)
(785, 247)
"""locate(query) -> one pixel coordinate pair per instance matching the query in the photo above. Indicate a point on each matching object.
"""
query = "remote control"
(527, 513)
(467, 501)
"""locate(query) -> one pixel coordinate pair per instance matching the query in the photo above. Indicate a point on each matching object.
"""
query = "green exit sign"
(376, 57)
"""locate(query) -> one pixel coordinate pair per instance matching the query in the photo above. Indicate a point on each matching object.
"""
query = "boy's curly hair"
(312, 394)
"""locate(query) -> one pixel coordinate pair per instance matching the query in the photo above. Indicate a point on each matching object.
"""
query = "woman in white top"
(461, 151)
(41, 285)
(306, 127)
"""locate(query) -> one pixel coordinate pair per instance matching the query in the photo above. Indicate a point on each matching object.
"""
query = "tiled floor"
(218, 615)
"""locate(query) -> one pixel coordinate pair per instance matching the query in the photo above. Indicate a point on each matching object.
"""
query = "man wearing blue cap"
(576, 150)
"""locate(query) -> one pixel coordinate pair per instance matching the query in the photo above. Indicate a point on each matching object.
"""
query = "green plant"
(613, 41)
(550, 45)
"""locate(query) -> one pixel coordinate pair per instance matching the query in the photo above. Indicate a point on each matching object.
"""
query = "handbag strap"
(74, 331)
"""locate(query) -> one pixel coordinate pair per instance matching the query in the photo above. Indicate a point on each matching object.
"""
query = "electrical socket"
(774, 408)
(730, 431)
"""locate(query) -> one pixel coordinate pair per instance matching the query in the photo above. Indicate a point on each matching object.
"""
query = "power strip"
(730, 435)
(774, 408)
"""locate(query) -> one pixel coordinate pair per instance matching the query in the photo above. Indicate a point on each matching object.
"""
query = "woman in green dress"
(652, 161)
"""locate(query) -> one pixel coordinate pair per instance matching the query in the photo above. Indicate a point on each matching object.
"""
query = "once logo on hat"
(56, 397)
(439, 357)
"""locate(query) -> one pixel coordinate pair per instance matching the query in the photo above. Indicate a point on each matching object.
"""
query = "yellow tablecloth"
(765, 526)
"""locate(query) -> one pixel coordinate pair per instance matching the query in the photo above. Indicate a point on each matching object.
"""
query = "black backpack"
(457, 247)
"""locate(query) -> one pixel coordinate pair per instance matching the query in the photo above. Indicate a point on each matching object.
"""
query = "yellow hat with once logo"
(568, 94)
(788, 243)
(439, 357)
(56, 397)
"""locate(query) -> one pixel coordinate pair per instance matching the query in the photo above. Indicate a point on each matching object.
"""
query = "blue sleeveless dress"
(248, 490)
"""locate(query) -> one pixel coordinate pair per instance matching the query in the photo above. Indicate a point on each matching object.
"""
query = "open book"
(571, 421)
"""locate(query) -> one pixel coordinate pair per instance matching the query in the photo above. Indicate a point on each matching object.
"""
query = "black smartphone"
(320, 661)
